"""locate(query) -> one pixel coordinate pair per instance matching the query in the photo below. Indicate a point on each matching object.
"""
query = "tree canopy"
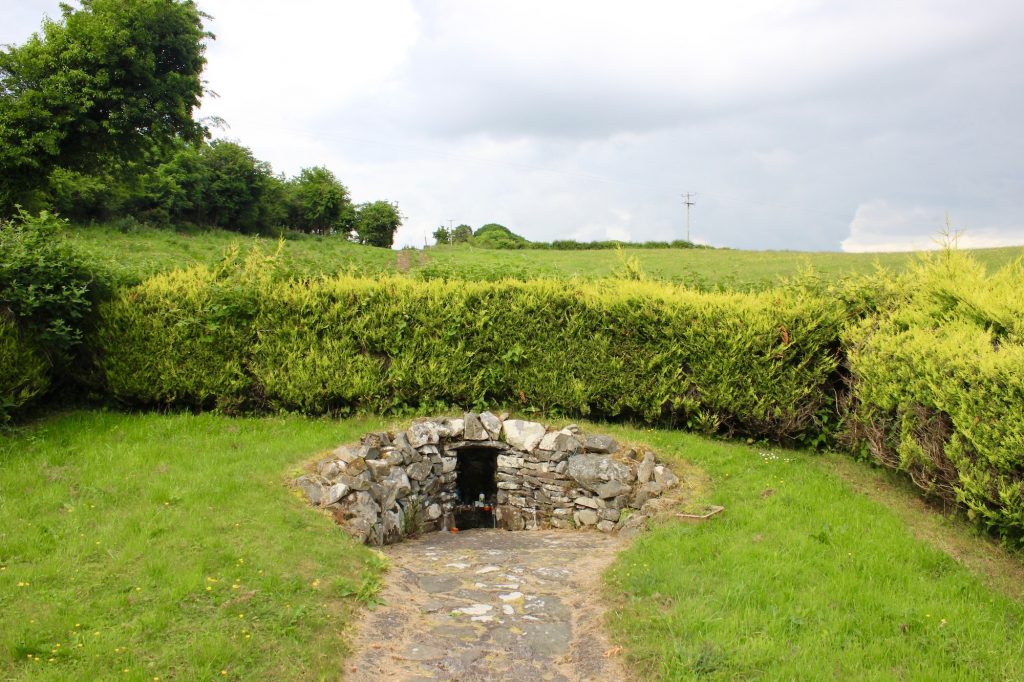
(320, 203)
(112, 81)
(377, 222)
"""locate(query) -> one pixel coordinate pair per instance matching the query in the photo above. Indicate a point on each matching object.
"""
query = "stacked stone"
(394, 485)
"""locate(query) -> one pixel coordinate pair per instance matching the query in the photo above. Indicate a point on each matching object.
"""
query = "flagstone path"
(491, 605)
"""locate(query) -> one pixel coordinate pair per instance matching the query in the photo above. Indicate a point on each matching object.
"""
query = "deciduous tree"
(377, 222)
(320, 203)
(109, 82)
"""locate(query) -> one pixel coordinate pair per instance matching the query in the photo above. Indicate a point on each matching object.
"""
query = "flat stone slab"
(491, 605)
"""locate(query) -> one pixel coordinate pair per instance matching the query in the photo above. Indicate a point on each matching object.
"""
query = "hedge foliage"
(46, 296)
(753, 364)
(24, 371)
(938, 387)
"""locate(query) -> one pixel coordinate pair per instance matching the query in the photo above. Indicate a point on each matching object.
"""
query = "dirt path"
(491, 605)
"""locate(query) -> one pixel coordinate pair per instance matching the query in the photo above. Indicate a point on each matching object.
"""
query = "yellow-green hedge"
(938, 388)
(754, 364)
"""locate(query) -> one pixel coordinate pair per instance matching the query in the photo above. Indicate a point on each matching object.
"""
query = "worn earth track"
(491, 605)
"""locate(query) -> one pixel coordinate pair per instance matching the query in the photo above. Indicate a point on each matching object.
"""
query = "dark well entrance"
(477, 486)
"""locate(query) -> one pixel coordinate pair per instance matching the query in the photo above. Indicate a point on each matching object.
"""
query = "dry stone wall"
(392, 485)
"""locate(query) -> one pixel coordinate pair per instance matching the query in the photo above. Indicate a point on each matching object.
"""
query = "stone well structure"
(525, 474)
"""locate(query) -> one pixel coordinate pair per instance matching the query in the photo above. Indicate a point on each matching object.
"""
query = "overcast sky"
(798, 124)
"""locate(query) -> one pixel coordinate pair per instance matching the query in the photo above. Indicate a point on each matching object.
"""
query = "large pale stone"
(457, 427)
(600, 444)
(612, 489)
(363, 506)
(665, 476)
(646, 492)
(379, 440)
(359, 482)
(548, 441)
(334, 493)
(400, 480)
(329, 468)
(379, 468)
(346, 454)
(587, 517)
(392, 526)
(590, 471)
(523, 435)
(491, 423)
(645, 469)
(312, 489)
(393, 457)
(422, 433)
(369, 451)
(419, 470)
(474, 429)
(510, 461)
(409, 453)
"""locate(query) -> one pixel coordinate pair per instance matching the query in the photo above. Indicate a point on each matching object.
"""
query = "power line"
(340, 136)
(688, 202)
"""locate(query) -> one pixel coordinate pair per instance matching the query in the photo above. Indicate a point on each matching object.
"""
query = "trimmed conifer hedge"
(752, 364)
(938, 388)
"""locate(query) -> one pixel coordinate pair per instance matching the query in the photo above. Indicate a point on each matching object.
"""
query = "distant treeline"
(573, 245)
(97, 124)
(495, 236)
(218, 184)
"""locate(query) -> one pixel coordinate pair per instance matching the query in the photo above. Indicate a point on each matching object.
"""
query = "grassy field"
(143, 251)
(806, 576)
(140, 547)
(169, 547)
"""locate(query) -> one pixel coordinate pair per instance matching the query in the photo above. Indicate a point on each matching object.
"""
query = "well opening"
(485, 471)
(476, 484)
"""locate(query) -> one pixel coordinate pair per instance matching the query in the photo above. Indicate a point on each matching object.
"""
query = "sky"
(797, 124)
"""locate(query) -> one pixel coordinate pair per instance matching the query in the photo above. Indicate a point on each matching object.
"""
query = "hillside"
(135, 254)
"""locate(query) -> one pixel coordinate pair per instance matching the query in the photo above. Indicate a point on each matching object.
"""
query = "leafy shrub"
(752, 364)
(24, 372)
(938, 384)
(45, 286)
(46, 296)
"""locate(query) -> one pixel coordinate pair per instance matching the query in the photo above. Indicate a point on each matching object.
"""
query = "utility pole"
(450, 221)
(688, 202)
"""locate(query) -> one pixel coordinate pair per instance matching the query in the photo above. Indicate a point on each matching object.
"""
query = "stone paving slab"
(482, 605)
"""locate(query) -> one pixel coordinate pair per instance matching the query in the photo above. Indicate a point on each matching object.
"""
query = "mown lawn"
(152, 546)
(802, 577)
(169, 547)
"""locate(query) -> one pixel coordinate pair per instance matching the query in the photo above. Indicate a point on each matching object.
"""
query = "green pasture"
(139, 547)
(136, 253)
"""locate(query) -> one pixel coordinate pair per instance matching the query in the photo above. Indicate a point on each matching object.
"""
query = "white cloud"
(879, 226)
(591, 117)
